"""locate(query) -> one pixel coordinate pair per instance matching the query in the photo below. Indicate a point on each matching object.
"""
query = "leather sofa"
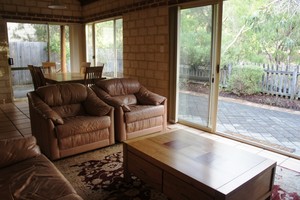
(68, 119)
(27, 174)
(137, 110)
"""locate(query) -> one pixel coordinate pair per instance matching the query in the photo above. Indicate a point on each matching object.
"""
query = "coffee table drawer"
(176, 189)
(144, 170)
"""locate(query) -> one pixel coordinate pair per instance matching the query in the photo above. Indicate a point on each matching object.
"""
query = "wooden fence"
(277, 80)
(196, 74)
(281, 81)
(24, 53)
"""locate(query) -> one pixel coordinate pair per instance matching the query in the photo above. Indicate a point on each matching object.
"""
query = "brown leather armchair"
(67, 119)
(137, 110)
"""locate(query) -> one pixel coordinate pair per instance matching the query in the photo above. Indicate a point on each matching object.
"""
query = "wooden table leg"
(125, 166)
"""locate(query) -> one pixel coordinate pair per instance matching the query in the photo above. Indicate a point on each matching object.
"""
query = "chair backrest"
(92, 74)
(65, 99)
(119, 86)
(37, 75)
(83, 66)
(49, 67)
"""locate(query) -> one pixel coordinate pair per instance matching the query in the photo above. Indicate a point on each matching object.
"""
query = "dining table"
(68, 77)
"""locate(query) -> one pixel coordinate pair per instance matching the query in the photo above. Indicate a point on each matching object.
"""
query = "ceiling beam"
(86, 2)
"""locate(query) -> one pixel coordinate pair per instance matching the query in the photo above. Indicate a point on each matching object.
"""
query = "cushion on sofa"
(147, 97)
(82, 125)
(34, 178)
(16, 150)
(129, 99)
(140, 112)
(94, 105)
(62, 94)
(69, 110)
(116, 86)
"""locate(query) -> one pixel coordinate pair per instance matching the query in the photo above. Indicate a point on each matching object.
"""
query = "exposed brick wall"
(146, 38)
(106, 8)
(39, 11)
(5, 72)
(146, 53)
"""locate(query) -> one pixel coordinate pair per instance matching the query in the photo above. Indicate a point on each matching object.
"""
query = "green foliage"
(245, 80)
(195, 36)
(261, 31)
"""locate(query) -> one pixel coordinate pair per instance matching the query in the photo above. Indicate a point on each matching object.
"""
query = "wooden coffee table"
(185, 165)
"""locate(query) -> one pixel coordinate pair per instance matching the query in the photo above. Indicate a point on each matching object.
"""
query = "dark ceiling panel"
(86, 2)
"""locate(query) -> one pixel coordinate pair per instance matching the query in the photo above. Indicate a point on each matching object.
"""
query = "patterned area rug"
(98, 175)
(286, 185)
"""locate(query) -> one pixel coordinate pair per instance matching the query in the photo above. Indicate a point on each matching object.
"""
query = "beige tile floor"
(15, 122)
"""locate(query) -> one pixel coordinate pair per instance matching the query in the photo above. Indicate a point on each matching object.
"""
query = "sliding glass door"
(197, 65)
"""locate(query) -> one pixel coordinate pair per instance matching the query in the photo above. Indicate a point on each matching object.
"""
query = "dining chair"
(37, 76)
(49, 67)
(83, 66)
(92, 74)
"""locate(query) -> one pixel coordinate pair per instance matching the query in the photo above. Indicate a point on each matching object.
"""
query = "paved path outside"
(266, 124)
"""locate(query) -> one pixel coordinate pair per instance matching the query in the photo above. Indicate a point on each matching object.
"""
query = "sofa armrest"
(147, 97)
(43, 109)
(95, 106)
(116, 103)
(16, 150)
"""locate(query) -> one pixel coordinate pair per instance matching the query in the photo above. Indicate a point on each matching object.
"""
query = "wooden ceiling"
(86, 2)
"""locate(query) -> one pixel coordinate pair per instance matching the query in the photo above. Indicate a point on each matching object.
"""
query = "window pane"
(54, 45)
(27, 43)
(68, 56)
(109, 47)
(119, 47)
(105, 46)
(89, 43)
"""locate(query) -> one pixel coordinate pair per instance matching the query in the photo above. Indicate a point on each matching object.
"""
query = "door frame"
(174, 11)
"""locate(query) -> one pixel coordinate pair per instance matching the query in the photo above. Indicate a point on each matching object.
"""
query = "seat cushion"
(34, 178)
(69, 110)
(126, 99)
(141, 112)
(17, 149)
(82, 125)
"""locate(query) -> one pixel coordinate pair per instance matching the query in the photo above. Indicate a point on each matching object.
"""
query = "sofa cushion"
(129, 99)
(82, 125)
(16, 150)
(95, 106)
(34, 178)
(119, 86)
(140, 112)
(69, 110)
(62, 94)
(147, 97)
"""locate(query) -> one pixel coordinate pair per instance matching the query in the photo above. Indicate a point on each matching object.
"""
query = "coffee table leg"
(125, 166)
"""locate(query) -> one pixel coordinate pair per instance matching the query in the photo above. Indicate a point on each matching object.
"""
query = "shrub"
(245, 80)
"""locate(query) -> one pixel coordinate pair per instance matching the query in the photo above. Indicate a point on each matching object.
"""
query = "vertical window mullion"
(48, 42)
(115, 50)
(94, 44)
